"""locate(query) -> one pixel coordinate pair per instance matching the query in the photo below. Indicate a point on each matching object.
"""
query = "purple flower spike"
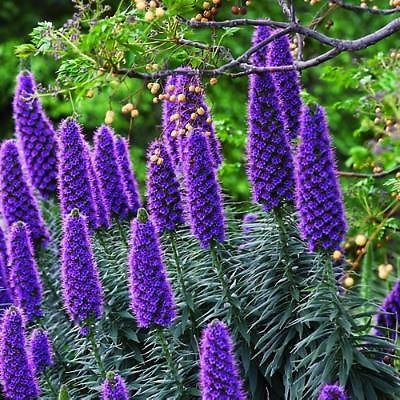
(319, 199)
(127, 174)
(287, 85)
(114, 388)
(270, 163)
(152, 299)
(388, 316)
(195, 104)
(332, 392)
(163, 191)
(36, 135)
(17, 200)
(203, 191)
(73, 174)
(102, 217)
(17, 377)
(108, 172)
(169, 108)
(83, 294)
(5, 292)
(41, 351)
(219, 375)
(24, 274)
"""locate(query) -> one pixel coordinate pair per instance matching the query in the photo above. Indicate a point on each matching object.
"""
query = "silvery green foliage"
(293, 331)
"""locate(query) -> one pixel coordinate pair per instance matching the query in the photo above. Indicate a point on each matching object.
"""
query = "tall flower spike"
(17, 200)
(203, 191)
(17, 377)
(41, 352)
(108, 172)
(169, 108)
(219, 375)
(270, 163)
(24, 274)
(114, 388)
(332, 392)
(388, 316)
(287, 85)
(194, 113)
(163, 191)
(318, 197)
(83, 294)
(127, 174)
(152, 299)
(73, 172)
(5, 292)
(102, 217)
(36, 134)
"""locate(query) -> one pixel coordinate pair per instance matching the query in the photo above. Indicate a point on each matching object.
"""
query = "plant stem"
(187, 297)
(97, 356)
(49, 384)
(122, 233)
(168, 357)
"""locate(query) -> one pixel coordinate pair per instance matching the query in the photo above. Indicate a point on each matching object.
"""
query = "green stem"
(122, 233)
(187, 297)
(49, 384)
(168, 357)
(96, 352)
(99, 235)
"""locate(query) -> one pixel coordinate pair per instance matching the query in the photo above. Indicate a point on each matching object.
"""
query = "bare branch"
(353, 7)
(364, 175)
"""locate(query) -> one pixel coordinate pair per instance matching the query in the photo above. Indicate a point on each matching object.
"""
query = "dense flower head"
(36, 135)
(270, 163)
(114, 388)
(17, 200)
(163, 191)
(102, 216)
(203, 196)
(318, 197)
(73, 172)
(108, 172)
(127, 174)
(219, 375)
(17, 376)
(25, 282)
(287, 85)
(152, 299)
(82, 290)
(332, 392)
(388, 316)
(169, 108)
(194, 113)
(41, 351)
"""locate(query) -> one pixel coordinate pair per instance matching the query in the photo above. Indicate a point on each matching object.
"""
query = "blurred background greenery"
(361, 93)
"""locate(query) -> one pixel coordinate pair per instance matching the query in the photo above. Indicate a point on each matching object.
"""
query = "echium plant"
(189, 300)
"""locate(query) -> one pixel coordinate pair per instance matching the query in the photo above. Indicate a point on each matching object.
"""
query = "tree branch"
(353, 7)
(364, 175)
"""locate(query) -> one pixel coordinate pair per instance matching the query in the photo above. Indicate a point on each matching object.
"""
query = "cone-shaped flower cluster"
(102, 217)
(41, 351)
(114, 388)
(194, 113)
(163, 192)
(108, 172)
(17, 376)
(127, 174)
(152, 299)
(319, 200)
(203, 191)
(219, 375)
(73, 173)
(36, 135)
(287, 85)
(332, 392)
(169, 108)
(17, 200)
(24, 274)
(388, 317)
(270, 163)
(83, 294)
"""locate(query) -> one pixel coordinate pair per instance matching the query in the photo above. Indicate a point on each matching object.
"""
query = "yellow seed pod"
(188, 127)
(201, 111)
(160, 161)
(109, 118)
(150, 85)
(206, 5)
(157, 151)
(134, 113)
(209, 120)
(90, 93)
(384, 271)
(174, 133)
(197, 89)
(193, 116)
(181, 97)
(160, 12)
(127, 108)
(174, 117)
(348, 282)
(171, 88)
(149, 16)
(154, 158)
(155, 100)
(337, 255)
(152, 4)
(360, 240)
(172, 98)
(141, 5)
(192, 88)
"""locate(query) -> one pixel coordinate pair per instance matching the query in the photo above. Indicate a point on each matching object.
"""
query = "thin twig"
(366, 175)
